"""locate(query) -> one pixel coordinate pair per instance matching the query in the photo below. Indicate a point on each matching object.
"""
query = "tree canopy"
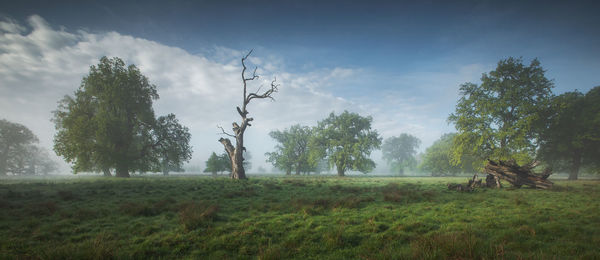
(499, 118)
(347, 141)
(570, 140)
(110, 123)
(400, 151)
(292, 151)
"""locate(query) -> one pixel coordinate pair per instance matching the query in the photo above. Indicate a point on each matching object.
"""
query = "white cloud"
(40, 64)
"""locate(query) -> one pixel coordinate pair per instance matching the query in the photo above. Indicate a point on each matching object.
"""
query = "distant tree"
(18, 153)
(247, 163)
(213, 164)
(43, 163)
(261, 169)
(236, 153)
(291, 152)
(498, 119)
(346, 141)
(571, 140)
(218, 163)
(173, 149)
(400, 151)
(110, 123)
(15, 140)
(437, 158)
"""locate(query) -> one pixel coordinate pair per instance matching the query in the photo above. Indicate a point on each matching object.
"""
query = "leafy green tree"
(570, 140)
(110, 123)
(212, 164)
(18, 153)
(400, 151)
(291, 152)
(15, 143)
(173, 148)
(347, 141)
(437, 158)
(218, 163)
(499, 118)
(592, 114)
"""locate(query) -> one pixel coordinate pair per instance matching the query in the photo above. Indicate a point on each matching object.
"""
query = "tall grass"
(294, 217)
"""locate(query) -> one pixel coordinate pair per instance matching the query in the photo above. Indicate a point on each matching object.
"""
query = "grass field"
(294, 217)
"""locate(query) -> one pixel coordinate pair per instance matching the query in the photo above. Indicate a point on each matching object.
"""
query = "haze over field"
(400, 63)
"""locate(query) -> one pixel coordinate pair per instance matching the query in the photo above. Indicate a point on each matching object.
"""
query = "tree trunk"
(492, 181)
(576, 164)
(106, 172)
(122, 170)
(165, 171)
(288, 172)
(235, 156)
(340, 170)
(518, 175)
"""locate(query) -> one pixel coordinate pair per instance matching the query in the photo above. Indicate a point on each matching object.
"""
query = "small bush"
(197, 214)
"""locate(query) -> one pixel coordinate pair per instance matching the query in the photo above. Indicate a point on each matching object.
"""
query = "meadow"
(315, 217)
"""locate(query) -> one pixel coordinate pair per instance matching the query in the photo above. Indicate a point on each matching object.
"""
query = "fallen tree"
(475, 182)
(517, 175)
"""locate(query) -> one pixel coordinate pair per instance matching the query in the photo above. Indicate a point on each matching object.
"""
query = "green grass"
(294, 217)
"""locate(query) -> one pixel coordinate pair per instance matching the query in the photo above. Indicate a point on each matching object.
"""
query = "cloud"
(40, 64)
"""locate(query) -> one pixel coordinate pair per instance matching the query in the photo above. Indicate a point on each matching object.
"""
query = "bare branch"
(267, 94)
(225, 133)
(245, 57)
(254, 76)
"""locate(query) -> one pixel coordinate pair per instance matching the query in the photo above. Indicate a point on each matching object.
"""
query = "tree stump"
(517, 175)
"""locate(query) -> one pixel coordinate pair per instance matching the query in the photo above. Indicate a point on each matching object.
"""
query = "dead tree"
(518, 175)
(236, 153)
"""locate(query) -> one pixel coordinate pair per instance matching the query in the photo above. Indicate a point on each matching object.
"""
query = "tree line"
(108, 124)
(511, 115)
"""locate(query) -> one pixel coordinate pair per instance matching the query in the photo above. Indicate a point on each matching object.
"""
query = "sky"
(400, 62)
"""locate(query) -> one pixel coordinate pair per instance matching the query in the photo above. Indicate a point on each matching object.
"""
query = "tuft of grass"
(147, 209)
(406, 193)
(452, 245)
(193, 215)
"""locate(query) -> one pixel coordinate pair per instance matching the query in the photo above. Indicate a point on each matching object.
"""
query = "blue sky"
(399, 62)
